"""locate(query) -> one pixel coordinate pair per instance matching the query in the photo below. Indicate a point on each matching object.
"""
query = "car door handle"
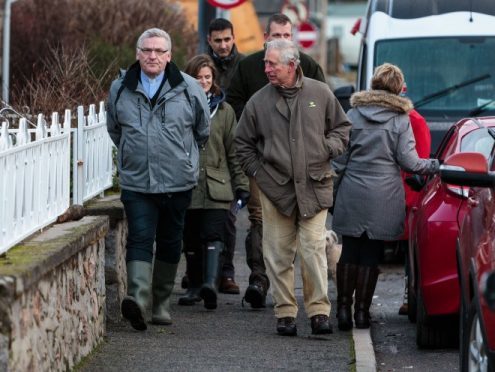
(473, 202)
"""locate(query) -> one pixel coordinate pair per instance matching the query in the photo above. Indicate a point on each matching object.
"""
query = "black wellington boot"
(194, 270)
(209, 289)
(346, 283)
(367, 277)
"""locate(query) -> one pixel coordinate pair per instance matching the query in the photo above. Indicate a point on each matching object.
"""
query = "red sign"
(307, 35)
(296, 11)
(225, 4)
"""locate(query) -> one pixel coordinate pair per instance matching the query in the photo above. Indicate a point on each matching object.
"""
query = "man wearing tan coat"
(287, 135)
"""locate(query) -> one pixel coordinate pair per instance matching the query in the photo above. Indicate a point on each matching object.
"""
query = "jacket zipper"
(139, 109)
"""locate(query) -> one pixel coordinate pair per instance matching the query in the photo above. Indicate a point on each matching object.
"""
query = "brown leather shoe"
(403, 310)
(229, 286)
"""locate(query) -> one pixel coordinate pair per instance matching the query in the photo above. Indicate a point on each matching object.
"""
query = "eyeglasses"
(148, 51)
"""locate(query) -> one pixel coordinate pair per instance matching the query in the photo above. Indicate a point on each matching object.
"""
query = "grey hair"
(154, 32)
(288, 50)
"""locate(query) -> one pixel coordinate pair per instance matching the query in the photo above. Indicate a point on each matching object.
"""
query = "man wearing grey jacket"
(156, 117)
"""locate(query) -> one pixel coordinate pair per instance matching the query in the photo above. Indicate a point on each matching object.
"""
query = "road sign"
(296, 11)
(307, 35)
(225, 4)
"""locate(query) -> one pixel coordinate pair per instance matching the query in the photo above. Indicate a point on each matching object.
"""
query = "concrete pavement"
(232, 337)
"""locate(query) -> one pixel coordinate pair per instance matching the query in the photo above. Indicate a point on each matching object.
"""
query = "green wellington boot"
(209, 289)
(134, 305)
(163, 284)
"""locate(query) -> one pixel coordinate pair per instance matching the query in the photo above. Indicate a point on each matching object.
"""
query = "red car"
(433, 292)
(476, 257)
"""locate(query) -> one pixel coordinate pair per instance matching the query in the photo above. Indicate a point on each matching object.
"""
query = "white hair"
(155, 32)
(288, 50)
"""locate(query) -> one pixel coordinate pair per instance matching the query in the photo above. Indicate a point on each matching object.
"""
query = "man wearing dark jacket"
(248, 78)
(223, 51)
(157, 116)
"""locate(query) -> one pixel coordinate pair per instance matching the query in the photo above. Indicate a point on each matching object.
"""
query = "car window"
(447, 146)
(478, 141)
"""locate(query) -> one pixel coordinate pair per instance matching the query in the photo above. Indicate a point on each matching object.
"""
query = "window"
(448, 81)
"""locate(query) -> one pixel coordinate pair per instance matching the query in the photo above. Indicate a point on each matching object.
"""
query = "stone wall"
(52, 297)
(115, 241)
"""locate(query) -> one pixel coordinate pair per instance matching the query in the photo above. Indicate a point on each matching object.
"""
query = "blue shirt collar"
(151, 85)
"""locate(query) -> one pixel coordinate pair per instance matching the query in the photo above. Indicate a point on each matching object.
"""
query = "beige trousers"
(283, 237)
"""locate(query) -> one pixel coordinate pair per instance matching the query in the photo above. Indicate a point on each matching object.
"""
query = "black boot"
(194, 271)
(367, 277)
(346, 283)
(208, 291)
(256, 292)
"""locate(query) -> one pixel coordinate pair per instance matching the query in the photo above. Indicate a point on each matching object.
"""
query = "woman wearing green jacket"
(220, 181)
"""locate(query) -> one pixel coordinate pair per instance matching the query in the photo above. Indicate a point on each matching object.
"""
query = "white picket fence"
(35, 170)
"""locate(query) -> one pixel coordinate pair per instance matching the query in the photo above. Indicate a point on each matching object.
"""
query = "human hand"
(242, 197)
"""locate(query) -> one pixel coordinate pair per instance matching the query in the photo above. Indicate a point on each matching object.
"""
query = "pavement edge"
(365, 354)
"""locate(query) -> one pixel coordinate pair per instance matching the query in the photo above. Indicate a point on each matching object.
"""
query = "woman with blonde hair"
(220, 181)
(370, 203)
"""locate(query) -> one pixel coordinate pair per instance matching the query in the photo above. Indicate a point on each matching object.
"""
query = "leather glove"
(242, 196)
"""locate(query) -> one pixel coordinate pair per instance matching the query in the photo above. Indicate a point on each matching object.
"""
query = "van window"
(424, 8)
(451, 81)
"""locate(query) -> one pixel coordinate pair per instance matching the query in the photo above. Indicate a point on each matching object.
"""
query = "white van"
(446, 49)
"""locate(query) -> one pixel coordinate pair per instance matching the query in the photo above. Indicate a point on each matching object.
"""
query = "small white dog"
(333, 250)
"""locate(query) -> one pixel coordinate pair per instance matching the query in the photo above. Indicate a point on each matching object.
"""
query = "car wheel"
(431, 335)
(473, 348)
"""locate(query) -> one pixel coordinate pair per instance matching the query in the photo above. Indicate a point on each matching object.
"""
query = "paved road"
(394, 337)
(227, 339)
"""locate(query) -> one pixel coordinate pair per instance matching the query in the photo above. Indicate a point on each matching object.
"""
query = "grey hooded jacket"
(158, 147)
(370, 196)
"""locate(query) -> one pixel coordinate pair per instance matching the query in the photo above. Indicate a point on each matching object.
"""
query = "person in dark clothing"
(221, 181)
(248, 78)
(223, 52)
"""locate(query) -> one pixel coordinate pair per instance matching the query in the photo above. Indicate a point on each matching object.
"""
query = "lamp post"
(6, 51)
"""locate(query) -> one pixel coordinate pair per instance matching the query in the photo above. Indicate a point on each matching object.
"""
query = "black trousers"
(203, 226)
(155, 217)
(361, 251)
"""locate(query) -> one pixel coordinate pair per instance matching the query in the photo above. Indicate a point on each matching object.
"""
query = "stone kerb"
(52, 297)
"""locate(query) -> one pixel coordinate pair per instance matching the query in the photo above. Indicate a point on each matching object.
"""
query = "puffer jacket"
(220, 174)
(371, 195)
(158, 146)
